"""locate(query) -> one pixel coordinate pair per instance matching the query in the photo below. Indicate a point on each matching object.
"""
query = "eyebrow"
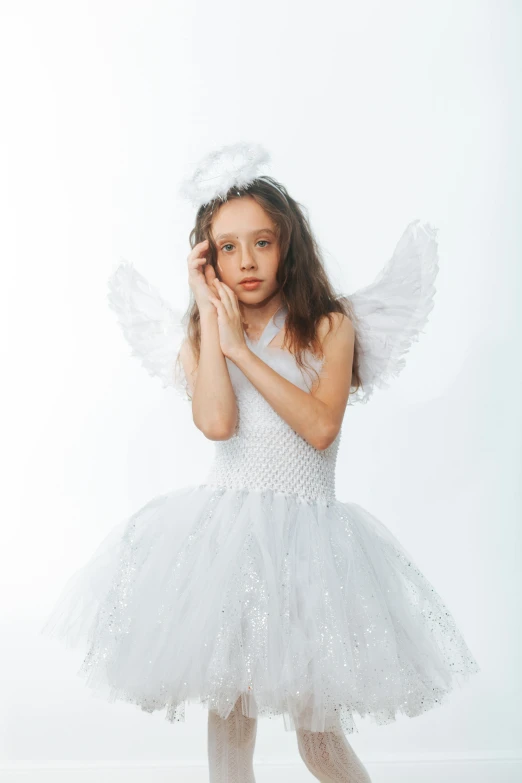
(252, 233)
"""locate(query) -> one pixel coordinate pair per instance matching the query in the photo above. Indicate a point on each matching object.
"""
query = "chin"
(251, 297)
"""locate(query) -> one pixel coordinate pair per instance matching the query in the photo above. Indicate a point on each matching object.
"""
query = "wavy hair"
(303, 283)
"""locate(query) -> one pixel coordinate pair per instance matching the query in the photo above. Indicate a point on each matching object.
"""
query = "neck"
(256, 316)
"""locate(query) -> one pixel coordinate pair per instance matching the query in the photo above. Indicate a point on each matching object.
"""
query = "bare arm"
(317, 416)
(214, 408)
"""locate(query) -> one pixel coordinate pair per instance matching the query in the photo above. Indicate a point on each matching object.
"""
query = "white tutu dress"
(258, 583)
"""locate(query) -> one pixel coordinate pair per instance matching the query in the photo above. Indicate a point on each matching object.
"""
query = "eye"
(229, 244)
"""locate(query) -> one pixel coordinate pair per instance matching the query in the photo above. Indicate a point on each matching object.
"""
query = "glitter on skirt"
(260, 584)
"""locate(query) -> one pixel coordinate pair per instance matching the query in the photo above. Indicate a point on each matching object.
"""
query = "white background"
(375, 114)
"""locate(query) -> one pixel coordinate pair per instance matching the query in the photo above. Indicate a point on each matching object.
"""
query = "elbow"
(218, 430)
(219, 434)
(325, 438)
(214, 421)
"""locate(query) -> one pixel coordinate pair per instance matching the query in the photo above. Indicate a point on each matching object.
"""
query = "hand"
(230, 321)
(201, 276)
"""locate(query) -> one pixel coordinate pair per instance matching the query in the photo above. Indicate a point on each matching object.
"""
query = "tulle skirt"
(312, 611)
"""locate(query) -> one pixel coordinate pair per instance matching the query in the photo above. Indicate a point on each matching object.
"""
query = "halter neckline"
(274, 325)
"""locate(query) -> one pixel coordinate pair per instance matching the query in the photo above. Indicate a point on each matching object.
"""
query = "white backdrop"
(375, 113)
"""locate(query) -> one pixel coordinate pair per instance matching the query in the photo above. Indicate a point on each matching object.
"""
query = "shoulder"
(336, 327)
(336, 336)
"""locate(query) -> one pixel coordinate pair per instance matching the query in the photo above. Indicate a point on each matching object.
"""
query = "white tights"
(231, 741)
(231, 744)
(330, 757)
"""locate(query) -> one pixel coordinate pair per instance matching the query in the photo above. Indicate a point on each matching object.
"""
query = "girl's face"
(247, 246)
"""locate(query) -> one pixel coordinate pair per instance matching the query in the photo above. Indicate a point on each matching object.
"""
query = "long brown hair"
(301, 276)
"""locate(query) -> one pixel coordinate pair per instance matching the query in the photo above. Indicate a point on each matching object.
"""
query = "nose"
(247, 259)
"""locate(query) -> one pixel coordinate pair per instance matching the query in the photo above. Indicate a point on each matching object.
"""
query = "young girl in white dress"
(257, 592)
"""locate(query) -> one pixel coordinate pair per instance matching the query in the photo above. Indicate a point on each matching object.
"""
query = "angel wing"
(153, 329)
(391, 312)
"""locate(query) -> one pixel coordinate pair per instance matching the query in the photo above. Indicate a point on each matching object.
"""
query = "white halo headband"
(234, 165)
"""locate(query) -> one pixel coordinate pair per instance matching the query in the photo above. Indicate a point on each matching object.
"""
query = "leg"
(231, 743)
(330, 758)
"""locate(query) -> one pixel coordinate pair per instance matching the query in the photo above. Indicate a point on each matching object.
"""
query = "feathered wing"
(391, 312)
(153, 329)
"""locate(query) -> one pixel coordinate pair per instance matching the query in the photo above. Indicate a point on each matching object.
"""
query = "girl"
(257, 592)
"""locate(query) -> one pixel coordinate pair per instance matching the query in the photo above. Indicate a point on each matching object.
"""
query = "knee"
(329, 756)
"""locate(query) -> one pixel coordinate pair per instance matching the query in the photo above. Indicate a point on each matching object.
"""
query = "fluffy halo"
(232, 165)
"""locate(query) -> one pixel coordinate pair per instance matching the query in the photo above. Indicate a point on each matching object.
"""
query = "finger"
(210, 273)
(212, 287)
(230, 292)
(225, 291)
(199, 247)
(198, 255)
(218, 304)
(198, 251)
(225, 299)
(197, 266)
(214, 298)
(197, 263)
(232, 298)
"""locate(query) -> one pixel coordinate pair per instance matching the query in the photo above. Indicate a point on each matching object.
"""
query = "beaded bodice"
(265, 452)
